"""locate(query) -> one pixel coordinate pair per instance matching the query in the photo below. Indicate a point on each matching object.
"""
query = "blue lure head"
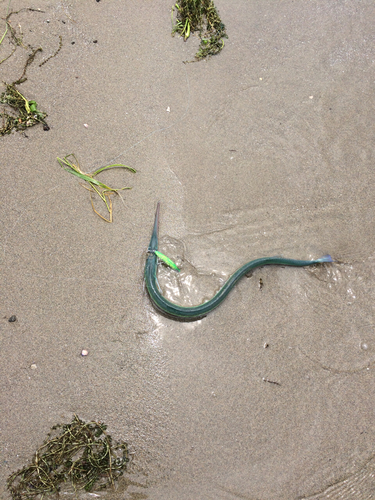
(154, 237)
(325, 258)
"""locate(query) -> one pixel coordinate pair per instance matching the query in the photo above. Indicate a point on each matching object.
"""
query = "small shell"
(84, 352)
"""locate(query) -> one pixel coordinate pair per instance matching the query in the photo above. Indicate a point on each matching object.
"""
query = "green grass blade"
(72, 169)
(81, 176)
(117, 165)
(5, 32)
(99, 193)
(65, 161)
(6, 25)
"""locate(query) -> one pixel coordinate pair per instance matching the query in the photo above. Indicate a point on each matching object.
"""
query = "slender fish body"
(197, 312)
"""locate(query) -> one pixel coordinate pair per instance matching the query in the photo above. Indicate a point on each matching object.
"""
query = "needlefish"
(193, 313)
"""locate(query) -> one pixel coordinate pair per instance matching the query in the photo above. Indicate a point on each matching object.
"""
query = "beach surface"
(265, 149)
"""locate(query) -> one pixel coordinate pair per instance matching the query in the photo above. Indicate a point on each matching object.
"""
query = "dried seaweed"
(15, 38)
(29, 60)
(82, 454)
(25, 113)
(54, 54)
(202, 17)
(19, 113)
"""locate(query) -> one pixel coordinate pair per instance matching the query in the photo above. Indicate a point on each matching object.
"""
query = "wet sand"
(266, 149)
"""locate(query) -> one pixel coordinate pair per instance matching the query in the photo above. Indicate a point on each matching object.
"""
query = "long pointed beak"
(154, 237)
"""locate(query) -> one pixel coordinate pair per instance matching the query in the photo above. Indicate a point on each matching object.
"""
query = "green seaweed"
(202, 17)
(26, 113)
(82, 454)
(102, 190)
(23, 113)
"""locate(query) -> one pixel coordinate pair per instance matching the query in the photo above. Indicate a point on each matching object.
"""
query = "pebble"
(84, 352)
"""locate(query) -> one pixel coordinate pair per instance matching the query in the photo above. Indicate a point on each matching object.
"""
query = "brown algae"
(80, 453)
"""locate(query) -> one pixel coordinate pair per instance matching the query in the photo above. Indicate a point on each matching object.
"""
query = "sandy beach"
(265, 149)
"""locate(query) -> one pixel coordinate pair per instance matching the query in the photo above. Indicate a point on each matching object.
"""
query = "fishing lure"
(167, 260)
(193, 313)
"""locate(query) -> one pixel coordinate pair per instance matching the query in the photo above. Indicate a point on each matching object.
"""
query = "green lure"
(167, 260)
(197, 312)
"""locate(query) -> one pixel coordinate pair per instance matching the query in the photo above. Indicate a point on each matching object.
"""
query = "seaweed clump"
(26, 112)
(81, 454)
(102, 190)
(200, 16)
(22, 113)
